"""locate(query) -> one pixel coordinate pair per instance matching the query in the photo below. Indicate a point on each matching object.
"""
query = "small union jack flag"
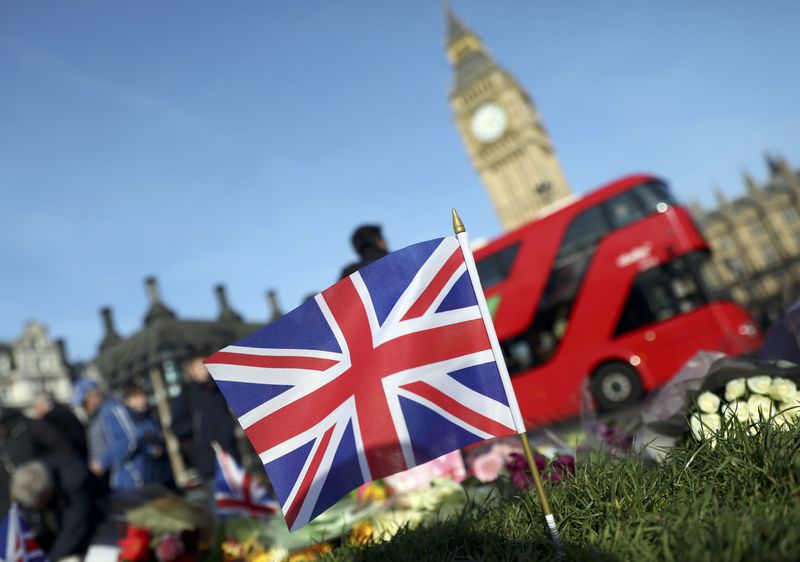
(16, 539)
(387, 369)
(236, 492)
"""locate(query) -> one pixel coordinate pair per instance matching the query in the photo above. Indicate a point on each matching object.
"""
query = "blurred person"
(369, 244)
(201, 416)
(24, 440)
(112, 436)
(148, 459)
(21, 440)
(61, 419)
(56, 494)
(124, 443)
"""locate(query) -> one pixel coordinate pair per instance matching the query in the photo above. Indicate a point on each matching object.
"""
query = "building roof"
(455, 27)
(168, 338)
(473, 62)
(164, 336)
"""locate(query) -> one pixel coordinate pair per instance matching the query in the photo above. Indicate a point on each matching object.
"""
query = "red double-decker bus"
(615, 287)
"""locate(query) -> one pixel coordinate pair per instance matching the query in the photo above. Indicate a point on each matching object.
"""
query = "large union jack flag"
(385, 370)
(17, 543)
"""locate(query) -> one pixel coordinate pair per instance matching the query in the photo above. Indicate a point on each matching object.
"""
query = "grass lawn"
(739, 500)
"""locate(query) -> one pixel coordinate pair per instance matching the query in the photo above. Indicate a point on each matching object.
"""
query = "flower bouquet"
(167, 529)
(749, 400)
(694, 400)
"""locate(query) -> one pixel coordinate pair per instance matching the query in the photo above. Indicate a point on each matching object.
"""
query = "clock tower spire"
(502, 130)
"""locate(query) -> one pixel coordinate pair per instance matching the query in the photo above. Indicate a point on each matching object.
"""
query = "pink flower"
(486, 468)
(170, 548)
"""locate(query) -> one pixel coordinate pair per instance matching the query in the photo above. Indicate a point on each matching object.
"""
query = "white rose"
(759, 385)
(736, 409)
(790, 408)
(708, 402)
(780, 420)
(704, 425)
(782, 390)
(736, 388)
(759, 406)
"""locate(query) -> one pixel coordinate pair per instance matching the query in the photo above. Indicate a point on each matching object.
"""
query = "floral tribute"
(749, 400)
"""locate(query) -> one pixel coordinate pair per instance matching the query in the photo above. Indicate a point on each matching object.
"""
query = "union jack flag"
(16, 539)
(236, 492)
(387, 369)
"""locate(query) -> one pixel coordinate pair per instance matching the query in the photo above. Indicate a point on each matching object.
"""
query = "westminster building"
(755, 240)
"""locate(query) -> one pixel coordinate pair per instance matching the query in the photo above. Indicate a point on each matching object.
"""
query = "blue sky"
(241, 143)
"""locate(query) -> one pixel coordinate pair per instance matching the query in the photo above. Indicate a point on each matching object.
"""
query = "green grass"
(737, 501)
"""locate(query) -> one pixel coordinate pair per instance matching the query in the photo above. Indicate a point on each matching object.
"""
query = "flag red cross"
(364, 379)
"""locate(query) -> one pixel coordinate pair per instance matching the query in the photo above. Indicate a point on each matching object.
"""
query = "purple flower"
(617, 440)
(563, 466)
(517, 465)
(169, 548)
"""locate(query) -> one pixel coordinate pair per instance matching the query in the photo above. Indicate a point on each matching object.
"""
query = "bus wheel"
(616, 385)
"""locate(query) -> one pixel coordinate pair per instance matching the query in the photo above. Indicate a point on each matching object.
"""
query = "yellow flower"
(311, 553)
(361, 533)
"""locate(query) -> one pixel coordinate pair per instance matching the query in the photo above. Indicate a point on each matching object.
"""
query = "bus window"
(586, 229)
(661, 293)
(495, 268)
(540, 341)
(654, 197)
(624, 209)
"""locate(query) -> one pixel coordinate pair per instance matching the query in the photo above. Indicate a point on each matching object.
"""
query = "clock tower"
(502, 130)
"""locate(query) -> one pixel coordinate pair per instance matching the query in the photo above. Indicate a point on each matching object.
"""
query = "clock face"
(489, 122)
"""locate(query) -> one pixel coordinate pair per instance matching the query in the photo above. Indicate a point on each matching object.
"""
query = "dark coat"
(71, 517)
(70, 427)
(200, 415)
(22, 440)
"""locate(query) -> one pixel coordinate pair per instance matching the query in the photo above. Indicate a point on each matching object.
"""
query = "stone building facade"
(31, 364)
(755, 239)
(503, 132)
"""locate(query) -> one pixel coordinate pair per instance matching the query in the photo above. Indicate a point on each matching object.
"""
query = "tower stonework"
(502, 130)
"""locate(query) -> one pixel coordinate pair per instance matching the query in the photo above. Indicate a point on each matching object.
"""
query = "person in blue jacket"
(124, 443)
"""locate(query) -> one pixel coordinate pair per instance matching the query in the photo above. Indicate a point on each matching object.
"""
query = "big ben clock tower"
(502, 130)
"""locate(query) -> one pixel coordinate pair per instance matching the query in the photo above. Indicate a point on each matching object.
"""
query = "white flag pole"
(463, 240)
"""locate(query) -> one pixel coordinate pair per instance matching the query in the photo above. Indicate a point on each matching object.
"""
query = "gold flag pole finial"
(458, 226)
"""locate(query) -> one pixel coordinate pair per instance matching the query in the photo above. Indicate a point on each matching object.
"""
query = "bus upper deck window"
(586, 229)
(495, 268)
(624, 209)
(654, 196)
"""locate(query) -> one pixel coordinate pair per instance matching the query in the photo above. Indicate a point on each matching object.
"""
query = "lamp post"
(165, 417)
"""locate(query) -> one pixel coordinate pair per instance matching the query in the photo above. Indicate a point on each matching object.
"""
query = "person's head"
(32, 485)
(197, 370)
(135, 398)
(42, 404)
(368, 236)
(88, 395)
